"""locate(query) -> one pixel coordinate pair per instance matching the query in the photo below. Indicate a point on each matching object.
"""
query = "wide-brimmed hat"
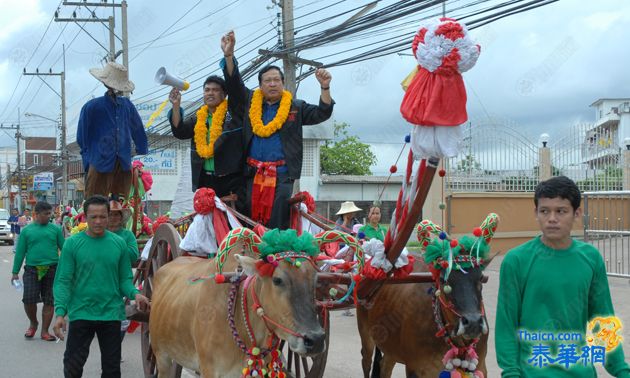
(348, 207)
(116, 206)
(115, 76)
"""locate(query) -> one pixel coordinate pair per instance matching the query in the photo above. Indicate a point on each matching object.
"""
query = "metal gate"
(607, 227)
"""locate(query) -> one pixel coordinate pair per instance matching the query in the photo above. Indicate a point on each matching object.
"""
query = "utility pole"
(64, 152)
(18, 136)
(64, 127)
(287, 36)
(112, 53)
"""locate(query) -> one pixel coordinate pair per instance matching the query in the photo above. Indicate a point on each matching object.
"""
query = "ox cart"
(335, 290)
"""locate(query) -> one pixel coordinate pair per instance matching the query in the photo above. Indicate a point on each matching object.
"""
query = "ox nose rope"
(260, 311)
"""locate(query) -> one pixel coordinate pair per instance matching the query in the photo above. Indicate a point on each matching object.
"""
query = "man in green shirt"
(39, 243)
(550, 288)
(93, 277)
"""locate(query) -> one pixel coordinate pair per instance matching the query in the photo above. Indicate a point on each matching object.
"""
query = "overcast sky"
(538, 71)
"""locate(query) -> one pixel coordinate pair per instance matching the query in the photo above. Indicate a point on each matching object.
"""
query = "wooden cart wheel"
(307, 367)
(164, 249)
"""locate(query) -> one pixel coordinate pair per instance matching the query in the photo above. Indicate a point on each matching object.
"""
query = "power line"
(167, 29)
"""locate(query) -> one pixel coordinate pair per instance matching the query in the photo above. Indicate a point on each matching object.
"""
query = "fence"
(495, 157)
(607, 227)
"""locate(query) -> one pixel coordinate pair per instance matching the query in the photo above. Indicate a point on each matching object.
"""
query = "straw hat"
(348, 207)
(115, 76)
(116, 206)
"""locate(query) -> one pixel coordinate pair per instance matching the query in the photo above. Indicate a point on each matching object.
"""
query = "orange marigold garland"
(255, 114)
(205, 148)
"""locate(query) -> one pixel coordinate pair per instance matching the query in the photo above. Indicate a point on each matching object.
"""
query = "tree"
(468, 164)
(346, 155)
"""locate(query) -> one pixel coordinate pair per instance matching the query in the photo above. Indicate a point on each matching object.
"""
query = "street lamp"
(544, 139)
(40, 116)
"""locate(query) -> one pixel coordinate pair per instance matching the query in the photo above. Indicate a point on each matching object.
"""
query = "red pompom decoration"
(159, 221)
(442, 173)
(219, 278)
(444, 264)
(393, 169)
(356, 278)
(203, 201)
(454, 243)
(477, 231)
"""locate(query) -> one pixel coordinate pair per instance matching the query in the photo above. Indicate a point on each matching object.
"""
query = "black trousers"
(280, 212)
(80, 336)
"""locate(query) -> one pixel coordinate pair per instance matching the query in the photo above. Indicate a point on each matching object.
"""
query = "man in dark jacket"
(216, 140)
(272, 130)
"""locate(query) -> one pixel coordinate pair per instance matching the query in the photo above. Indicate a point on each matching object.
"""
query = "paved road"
(36, 358)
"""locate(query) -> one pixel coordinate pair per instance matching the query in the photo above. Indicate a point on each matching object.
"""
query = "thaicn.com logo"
(603, 335)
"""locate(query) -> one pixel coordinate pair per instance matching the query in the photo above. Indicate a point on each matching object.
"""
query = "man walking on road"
(94, 276)
(39, 243)
(15, 227)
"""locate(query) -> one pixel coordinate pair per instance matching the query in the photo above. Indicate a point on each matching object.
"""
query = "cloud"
(18, 16)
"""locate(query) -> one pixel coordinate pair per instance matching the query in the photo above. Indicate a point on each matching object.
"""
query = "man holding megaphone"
(272, 130)
(216, 140)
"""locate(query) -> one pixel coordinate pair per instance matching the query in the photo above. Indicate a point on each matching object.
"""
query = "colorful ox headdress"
(445, 253)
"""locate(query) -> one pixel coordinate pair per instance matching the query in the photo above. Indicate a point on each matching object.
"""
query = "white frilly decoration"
(308, 226)
(145, 251)
(375, 249)
(200, 239)
(436, 141)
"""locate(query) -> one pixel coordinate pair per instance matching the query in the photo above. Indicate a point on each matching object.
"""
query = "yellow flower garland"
(255, 114)
(206, 149)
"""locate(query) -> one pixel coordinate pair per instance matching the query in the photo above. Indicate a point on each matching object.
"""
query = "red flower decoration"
(442, 173)
(203, 202)
(393, 169)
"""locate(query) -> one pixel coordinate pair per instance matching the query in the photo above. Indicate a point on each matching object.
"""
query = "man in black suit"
(216, 142)
(272, 131)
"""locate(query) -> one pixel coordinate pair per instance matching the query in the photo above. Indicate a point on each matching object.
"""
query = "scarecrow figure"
(106, 128)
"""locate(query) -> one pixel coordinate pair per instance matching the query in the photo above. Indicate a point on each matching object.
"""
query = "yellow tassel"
(156, 113)
(407, 81)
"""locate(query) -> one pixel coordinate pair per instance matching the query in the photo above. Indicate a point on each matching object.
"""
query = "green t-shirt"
(371, 232)
(92, 277)
(208, 164)
(40, 244)
(132, 243)
(548, 291)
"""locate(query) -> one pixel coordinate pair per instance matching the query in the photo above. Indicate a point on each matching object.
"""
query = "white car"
(5, 228)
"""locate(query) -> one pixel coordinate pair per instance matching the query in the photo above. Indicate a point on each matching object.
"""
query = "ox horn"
(489, 226)
(241, 234)
(424, 231)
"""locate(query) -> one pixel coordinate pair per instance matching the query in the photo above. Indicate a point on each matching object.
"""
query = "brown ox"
(188, 322)
(400, 324)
